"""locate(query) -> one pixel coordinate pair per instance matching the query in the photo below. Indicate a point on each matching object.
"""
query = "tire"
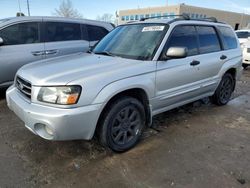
(224, 91)
(122, 124)
(245, 66)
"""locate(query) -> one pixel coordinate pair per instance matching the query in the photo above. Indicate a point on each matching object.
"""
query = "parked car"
(246, 54)
(138, 70)
(28, 39)
(243, 35)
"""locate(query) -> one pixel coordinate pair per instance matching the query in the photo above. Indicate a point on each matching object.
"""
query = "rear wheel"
(122, 124)
(245, 66)
(224, 91)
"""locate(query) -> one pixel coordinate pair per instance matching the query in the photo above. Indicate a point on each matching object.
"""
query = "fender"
(145, 82)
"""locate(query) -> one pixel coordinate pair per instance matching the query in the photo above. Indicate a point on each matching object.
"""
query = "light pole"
(28, 6)
(19, 5)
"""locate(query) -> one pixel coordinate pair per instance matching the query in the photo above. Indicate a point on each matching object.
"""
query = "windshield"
(243, 34)
(135, 41)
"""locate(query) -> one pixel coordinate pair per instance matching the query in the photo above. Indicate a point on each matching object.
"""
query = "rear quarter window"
(228, 38)
(96, 33)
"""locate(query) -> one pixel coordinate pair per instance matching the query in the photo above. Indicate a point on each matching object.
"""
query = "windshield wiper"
(105, 53)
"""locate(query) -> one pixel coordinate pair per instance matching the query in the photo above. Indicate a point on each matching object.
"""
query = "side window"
(84, 33)
(184, 36)
(208, 39)
(59, 31)
(23, 33)
(96, 33)
(228, 36)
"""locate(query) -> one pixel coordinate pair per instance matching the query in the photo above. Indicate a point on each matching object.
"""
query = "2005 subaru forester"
(138, 70)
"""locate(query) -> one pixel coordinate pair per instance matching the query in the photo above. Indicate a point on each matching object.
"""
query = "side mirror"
(1, 41)
(177, 52)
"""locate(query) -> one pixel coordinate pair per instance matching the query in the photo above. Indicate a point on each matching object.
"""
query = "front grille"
(24, 87)
(248, 50)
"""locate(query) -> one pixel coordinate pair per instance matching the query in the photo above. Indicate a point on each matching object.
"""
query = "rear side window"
(59, 31)
(228, 36)
(184, 36)
(208, 39)
(96, 33)
(23, 33)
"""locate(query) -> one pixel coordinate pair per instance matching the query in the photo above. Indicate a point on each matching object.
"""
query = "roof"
(243, 30)
(27, 18)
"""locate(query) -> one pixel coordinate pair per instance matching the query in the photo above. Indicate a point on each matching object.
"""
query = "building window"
(152, 15)
(192, 16)
(141, 16)
(123, 18)
(158, 15)
(136, 17)
(127, 18)
(165, 15)
(132, 17)
(205, 15)
(197, 16)
(172, 14)
(147, 15)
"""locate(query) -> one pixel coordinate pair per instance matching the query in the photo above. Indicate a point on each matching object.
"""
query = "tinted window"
(84, 33)
(58, 31)
(23, 33)
(229, 39)
(243, 34)
(96, 33)
(184, 36)
(208, 39)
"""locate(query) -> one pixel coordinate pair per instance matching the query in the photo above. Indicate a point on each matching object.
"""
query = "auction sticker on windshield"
(153, 28)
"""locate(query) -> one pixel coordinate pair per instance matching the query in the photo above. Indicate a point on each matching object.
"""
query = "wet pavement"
(198, 145)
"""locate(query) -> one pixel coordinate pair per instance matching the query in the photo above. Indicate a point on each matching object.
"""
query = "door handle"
(223, 57)
(51, 52)
(194, 63)
(37, 53)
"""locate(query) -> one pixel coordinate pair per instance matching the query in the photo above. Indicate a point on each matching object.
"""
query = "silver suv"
(27, 39)
(138, 70)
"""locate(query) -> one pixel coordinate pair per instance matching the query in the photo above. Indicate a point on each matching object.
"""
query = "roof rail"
(184, 16)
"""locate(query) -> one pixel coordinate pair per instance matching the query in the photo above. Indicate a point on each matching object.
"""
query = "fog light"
(48, 130)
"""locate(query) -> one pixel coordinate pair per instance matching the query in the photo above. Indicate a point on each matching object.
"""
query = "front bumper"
(54, 123)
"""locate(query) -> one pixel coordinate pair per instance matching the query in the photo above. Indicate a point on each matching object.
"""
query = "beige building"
(236, 20)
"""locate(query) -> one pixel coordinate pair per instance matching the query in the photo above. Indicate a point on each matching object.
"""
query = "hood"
(65, 69)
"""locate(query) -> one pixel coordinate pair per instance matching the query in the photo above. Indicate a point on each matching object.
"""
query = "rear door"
(95, 34)
(22, 45)
(63, 38)
(210, 56)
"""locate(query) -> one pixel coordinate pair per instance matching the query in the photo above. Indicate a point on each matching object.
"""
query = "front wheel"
(224, 91)
(122, 125)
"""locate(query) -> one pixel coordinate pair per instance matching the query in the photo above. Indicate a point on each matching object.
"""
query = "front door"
(176, 79)
(21, 46)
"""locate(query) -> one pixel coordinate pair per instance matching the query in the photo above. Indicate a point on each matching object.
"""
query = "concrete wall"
(231, 18)
(150, 11)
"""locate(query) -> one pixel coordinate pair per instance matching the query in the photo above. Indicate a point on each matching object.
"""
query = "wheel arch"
(138, 93)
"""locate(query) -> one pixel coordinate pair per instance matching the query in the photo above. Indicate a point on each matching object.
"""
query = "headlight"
(64, 95)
